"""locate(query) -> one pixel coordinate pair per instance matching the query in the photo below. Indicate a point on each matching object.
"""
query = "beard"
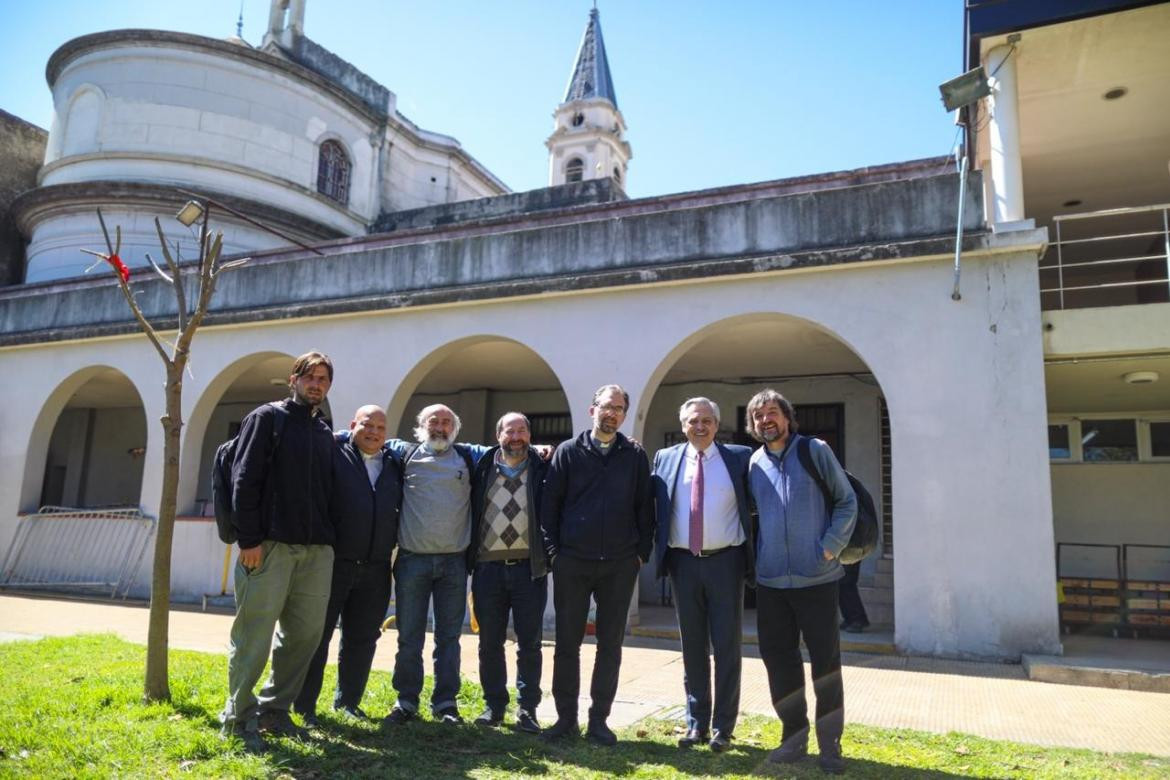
(516, 449)
(608, 428)
(438, 442)
(770, 434)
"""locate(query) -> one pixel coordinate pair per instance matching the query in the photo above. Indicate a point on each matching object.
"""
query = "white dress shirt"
(721, 526)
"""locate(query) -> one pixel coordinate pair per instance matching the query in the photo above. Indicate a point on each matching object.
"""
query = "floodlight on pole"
(965, 90)
(190, 213)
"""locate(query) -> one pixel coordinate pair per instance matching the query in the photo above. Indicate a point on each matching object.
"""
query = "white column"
(1007, 177)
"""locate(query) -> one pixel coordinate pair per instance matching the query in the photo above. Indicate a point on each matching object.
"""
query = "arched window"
(575, 170)
(617, 174)
(333, 168)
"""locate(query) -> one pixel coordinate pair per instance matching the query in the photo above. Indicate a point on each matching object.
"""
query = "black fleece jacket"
(598, 507)
(284, 498)
(365, 516)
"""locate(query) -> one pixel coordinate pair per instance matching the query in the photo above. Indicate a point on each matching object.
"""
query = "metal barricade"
(78, 550)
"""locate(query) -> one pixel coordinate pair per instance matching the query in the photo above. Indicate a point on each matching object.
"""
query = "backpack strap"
(466, 453)
(803, 452)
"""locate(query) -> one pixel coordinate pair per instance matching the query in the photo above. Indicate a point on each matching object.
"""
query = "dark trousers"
(708, 598)
(497, 589)
(784, 614)
(611, 584)
(852, 610)
(359, 595)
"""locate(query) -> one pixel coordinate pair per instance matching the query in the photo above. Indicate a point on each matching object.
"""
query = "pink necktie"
(696, 530)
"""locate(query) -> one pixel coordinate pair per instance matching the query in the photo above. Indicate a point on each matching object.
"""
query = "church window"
(617, 174)
(575, 170)
(333, 169)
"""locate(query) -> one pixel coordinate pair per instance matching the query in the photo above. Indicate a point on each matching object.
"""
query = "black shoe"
(247, 732)
(564, 727)
(855, 627)
(353, 713)
(278, 723)
(311, 721)
(489, 717)
(791, 750)
(720, 741)
(600, 734)
(692, 737)
(830, 760)
(449, 716)
(526, 722)
(398, 716)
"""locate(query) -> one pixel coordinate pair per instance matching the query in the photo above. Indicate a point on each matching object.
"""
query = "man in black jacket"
(598, 522)
(509, 571)
(364, 506)
(280, 506)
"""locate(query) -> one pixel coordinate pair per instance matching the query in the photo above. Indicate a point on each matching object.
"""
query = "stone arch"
(832, 385)
(92, 387)
(466, 366)
(239, 387)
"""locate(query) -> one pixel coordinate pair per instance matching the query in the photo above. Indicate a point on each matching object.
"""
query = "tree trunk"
(157, 686)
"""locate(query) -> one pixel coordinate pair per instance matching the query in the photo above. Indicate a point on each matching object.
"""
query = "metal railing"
(1115, 257)
(78, 550)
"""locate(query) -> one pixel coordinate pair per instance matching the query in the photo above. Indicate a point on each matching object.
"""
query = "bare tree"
(174, 356)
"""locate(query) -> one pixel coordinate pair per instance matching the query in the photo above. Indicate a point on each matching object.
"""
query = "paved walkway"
(989, 700)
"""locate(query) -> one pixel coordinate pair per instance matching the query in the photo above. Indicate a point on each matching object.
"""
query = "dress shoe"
(278, 723)
(489, 717)
(854, 627)
(791, 750)
(720, 741)
(350, 713)
(600, 734)
(830, 760)
(526, 721)
(247, 732)
(692, 737)
(564, 727)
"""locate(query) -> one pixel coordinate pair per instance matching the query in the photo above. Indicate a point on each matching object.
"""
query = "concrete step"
(1098, 672)
(885, 565)
(882, 579)
(876, 595)
(879, 614)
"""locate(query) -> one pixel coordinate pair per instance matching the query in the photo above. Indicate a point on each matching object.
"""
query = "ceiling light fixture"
(1068, 204)
(1115, 93)
(1141, 377)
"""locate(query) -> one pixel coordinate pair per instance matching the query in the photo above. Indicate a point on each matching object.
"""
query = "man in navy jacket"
(704, 543)
(598, 522)
(364, 506)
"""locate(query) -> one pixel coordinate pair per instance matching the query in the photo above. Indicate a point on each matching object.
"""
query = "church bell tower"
(588, 138)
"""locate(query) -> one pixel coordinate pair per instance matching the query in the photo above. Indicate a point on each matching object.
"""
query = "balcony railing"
(1116, 257)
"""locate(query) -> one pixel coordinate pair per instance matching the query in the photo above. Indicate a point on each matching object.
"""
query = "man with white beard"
(433, 536)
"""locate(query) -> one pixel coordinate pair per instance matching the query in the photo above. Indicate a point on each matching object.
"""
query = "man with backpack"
(281, 478)
(802, 530)
(364, 506)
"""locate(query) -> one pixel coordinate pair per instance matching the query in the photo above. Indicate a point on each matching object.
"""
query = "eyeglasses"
(611, 409)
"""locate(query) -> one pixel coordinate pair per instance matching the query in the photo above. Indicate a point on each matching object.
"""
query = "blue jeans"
(498, 588)
(419, 578)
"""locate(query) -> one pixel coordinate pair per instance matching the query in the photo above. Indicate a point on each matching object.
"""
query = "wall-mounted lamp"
(1141, 377)
(965, 90)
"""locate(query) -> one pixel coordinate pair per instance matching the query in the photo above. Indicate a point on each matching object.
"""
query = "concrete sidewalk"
(989, 700)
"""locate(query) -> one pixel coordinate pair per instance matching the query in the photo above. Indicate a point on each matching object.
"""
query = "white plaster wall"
(963, 381)
(1111, 503)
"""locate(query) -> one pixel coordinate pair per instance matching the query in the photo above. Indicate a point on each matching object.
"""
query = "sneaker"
(791, 750)
(564, 727)
(348, 712)
(398, 716)
(692, 737)
(526, 721)
(450, 716)
(489, 717)
(247, 732)
(600, 734)
(278, 723)
(720, 741)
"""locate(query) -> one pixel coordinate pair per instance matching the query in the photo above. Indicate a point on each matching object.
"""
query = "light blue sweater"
(796, 526)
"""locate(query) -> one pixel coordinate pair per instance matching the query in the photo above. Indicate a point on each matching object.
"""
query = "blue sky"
(713, 93)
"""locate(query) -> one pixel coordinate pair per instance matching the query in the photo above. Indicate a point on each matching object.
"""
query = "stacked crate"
(1090, 601)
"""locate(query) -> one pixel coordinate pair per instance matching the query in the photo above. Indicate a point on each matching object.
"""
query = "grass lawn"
(71, 707)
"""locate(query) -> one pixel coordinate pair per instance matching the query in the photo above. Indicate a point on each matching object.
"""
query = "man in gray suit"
(703, 542)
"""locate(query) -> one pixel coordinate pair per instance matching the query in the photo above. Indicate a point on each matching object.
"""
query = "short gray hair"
(699, 400)
(763, 398)
(420, 427)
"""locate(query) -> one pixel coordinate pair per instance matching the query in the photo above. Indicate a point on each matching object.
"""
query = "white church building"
(968, 417)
